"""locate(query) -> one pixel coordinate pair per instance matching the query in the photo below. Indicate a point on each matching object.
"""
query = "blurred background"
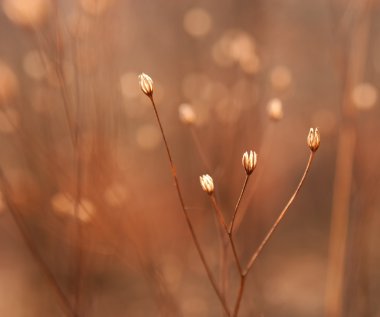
(90, 224)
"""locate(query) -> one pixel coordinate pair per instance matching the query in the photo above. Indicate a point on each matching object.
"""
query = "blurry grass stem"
(354, 50)
(56, 289)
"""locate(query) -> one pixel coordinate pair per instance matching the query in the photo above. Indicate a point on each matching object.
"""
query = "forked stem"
(187, 218)
(280, 217)
(269, 235)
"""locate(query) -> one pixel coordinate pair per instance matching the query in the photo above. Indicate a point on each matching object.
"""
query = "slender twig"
(224, 263)
(187, 218)
(219, 213)
(240, 295)
(264, 148)
(63, 300)
(230, 232)
(223, 246)
(223, 239)
(268, 236)
(280, 217)
(231, 240)
(231, 226)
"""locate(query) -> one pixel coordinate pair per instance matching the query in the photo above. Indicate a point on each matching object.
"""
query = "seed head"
(249, 161)
(146, 84)
(186, 113)
(314, 139)
(207, 184)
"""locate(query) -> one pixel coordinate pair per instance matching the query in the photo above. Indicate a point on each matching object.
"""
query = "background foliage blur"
(74, 125)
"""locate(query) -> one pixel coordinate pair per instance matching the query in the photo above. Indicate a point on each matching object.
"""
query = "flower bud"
(186, 113)
(249, 161)
(146, 84)
(313, 139)
(207, 184)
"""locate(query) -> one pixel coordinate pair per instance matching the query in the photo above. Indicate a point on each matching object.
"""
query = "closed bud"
(146, 84)
(249, 161)
(207, 184)
(313, 139)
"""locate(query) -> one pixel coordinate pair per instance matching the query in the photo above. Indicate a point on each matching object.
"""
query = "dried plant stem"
(264, 148)
(63, 301)
(187, 218)
(224, 263)
(268, 236)
(240, 295)
(224, 241)
(231, 226)
(219, 213)
(237, 261)
(280, 217)
(229, 231)
(223, 246)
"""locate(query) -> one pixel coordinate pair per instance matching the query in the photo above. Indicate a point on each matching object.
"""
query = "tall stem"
(187, 218)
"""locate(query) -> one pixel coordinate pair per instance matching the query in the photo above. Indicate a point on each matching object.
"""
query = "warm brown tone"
(102, 212)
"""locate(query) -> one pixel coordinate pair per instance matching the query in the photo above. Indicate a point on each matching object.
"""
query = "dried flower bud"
(274, 109)
(249, 161)
(146, 84)
(207, 184)
(313, 139)
(186, 113)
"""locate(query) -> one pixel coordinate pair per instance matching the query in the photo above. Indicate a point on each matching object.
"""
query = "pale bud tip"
(146, 84)
(207, 183)
(249, 161)
(313, 139)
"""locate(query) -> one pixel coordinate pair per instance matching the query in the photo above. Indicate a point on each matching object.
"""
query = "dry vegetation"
(198, 189)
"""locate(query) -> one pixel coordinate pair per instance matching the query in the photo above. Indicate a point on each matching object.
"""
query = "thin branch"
(268, 236)
(240, 295)
(187, 218)
(231, 226)
(280, 217)
(219, 213)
